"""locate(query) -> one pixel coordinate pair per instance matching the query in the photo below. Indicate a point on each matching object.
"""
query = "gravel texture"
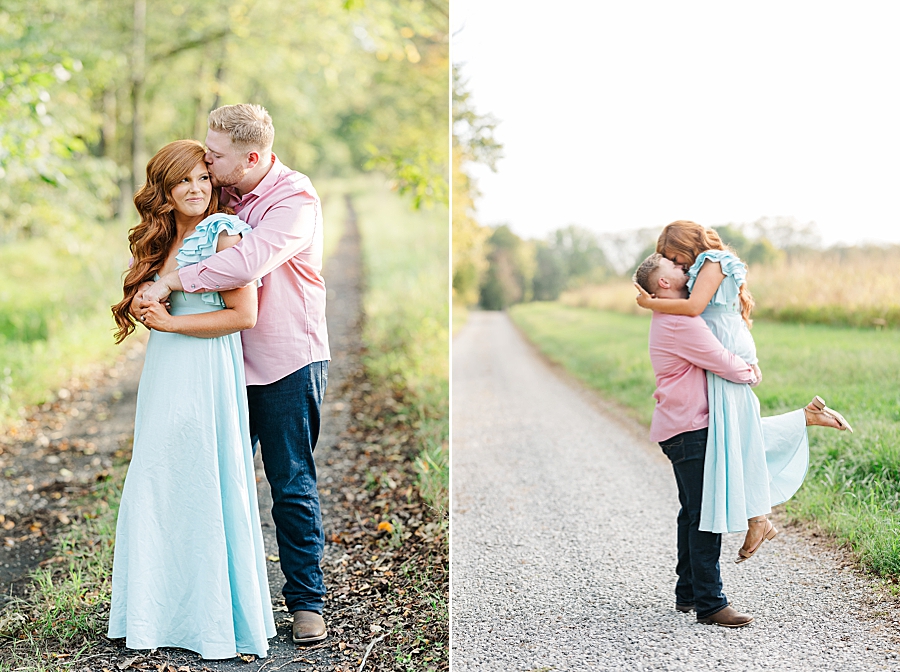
(563, 543)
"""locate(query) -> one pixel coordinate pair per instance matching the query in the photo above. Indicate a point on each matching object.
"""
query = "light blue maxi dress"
(752, 463)
(189, 568)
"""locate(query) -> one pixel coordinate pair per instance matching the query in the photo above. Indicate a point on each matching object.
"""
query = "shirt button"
(217, 286)
(193, 286)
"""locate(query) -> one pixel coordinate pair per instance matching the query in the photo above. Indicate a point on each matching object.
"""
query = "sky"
(631, 114)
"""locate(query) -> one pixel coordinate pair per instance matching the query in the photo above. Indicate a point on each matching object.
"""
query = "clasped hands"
(150, 306)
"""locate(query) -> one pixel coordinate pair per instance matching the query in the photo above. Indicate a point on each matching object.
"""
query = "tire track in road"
(563, 543)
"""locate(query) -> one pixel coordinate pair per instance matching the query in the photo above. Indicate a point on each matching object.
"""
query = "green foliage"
(550, 273)
(54, 310)
(473, 133)
(572, 257)
(473, 142)
(87, 96)
(510, 270)
(407, 319)
(852, 489)
(51, 181)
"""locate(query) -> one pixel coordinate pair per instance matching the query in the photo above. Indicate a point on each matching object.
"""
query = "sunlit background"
(775, 124)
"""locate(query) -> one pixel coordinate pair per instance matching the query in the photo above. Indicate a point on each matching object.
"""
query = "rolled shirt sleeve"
(695, 343)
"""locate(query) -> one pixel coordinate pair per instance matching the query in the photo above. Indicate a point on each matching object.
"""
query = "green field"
(853, 487)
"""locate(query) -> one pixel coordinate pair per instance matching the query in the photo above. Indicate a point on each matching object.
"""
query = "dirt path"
(61, 451)
(564, 543)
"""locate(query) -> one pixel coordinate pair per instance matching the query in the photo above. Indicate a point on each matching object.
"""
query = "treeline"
(515, 270)
(90, 89)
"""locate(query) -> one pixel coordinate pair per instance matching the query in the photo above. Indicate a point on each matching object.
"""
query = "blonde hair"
(646, 272)
(689, 240)
(249, 126)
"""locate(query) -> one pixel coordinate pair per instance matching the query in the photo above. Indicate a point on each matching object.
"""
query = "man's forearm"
(173, 281)
(700, 347)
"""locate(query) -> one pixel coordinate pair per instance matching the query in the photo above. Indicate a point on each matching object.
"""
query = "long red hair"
(689, 240)
(151, 240)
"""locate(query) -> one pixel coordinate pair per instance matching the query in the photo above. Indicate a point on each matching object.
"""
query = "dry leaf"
(128, 662)
(273, 558)
(384, 525)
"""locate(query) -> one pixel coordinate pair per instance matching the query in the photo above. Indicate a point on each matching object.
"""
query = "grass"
(406, 333)
(68, 605)
(54, 311)
(852, 490)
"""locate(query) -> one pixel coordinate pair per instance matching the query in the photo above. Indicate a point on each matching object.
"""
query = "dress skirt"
(752, 463)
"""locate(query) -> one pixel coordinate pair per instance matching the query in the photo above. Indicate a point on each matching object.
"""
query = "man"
(286, 354)
(682, 349)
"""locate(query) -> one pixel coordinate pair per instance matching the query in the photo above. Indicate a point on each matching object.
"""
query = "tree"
(473, 142)
(90, 89)
(550, 273)
(510, 272)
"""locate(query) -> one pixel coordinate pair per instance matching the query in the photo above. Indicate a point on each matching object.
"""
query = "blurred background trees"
(91, 89)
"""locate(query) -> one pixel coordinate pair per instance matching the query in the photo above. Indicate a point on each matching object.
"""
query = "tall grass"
(852, 489)
(406, 256)
(839, 287)
(55, 295)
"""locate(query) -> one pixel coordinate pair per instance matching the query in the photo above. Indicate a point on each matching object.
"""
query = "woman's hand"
(644, 300)
(155, 316)
(758, 372)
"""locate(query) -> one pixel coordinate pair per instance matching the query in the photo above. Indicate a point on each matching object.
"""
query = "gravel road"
(563, 543)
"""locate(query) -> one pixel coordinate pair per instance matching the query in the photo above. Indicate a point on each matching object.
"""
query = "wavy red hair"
(151, 240)
(688, 239)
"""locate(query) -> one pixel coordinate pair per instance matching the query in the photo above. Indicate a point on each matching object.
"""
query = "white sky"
(626, 114)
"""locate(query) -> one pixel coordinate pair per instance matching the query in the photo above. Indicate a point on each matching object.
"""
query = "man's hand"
(135, 308)
(758, 372)
(644, 300)
(159, 291)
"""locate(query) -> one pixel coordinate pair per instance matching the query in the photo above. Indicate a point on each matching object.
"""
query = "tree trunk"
(138, 67)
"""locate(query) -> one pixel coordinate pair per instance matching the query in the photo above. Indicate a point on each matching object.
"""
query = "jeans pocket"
(674, 450)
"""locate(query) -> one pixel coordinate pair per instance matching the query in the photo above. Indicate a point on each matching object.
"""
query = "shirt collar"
(265, 184)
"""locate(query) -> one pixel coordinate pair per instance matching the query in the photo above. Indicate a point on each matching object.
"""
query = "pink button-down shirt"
(682, 350)
(285, 250)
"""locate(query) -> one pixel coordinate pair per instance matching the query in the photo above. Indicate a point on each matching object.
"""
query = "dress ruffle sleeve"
(731, 266)
(201, 244)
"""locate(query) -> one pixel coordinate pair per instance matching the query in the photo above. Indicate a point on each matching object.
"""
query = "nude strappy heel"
(769, 534)
(817, 407)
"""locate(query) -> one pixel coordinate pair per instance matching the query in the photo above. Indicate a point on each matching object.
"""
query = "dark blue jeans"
(699, 580)
(285, 417)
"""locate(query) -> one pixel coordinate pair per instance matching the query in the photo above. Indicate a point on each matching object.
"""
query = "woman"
(752, 463)
(189, 568)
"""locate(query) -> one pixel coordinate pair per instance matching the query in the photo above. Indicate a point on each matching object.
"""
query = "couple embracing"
(731, 465)
(226, 275)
